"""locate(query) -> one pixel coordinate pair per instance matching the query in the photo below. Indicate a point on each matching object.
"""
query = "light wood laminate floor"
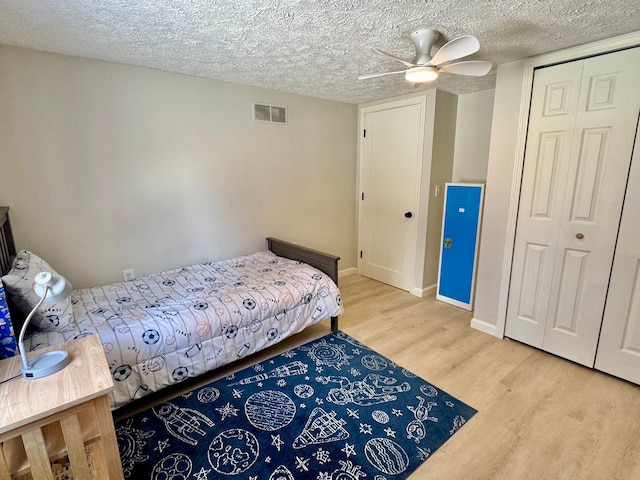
(539, 416)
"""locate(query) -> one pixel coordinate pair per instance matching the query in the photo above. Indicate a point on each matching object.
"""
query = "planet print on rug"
(332, 409)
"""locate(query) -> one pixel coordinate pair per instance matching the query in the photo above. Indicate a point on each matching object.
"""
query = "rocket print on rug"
(332, 409)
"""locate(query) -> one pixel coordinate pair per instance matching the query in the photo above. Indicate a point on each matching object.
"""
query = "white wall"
(107, 167)
(498, 193)
(473, 135)
(445, 130)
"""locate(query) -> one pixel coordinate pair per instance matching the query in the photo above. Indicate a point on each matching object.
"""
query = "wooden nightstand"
(66, 413)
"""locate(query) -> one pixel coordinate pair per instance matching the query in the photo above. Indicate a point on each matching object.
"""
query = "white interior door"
(579, 146)
(619, 344)
(550, 135)
(390, 180)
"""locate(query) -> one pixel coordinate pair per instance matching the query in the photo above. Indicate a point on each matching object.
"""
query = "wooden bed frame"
(322, 261)
(7, 246)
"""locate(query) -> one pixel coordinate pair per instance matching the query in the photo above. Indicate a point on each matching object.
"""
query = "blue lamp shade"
(51, 288)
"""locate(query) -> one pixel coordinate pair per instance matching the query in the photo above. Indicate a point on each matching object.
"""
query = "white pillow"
(18, 285)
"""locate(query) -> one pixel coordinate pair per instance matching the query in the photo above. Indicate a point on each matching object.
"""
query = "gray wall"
(498, 194)
(107, 167)
(473, 135)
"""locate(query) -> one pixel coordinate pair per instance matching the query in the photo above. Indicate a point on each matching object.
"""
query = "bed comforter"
(160, 329)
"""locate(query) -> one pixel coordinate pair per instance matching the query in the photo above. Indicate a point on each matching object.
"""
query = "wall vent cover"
(269, 113)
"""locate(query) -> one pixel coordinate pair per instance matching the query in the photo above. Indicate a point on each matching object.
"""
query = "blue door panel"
(458, 249)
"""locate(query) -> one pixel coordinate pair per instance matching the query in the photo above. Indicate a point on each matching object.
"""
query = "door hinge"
(362, 196)
(360, 253)
(365, 133)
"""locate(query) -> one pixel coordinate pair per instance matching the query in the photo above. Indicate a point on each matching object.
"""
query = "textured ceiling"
(309, 47)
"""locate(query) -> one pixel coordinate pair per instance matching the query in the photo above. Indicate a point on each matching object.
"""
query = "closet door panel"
(579, 146)
(593, 196)
(619, 345)
(550, 136)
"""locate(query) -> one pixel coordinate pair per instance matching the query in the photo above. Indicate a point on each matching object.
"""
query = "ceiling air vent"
(269, 113)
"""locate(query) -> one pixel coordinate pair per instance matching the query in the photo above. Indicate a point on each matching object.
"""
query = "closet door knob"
(408, 215)
(579, 236)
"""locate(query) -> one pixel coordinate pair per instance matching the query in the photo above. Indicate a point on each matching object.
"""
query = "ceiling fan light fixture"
(421, 74)
(425, 68)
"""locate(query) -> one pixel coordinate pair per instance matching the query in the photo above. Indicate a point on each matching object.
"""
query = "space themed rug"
(330, 409)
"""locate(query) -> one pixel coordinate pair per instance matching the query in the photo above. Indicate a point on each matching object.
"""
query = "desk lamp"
(52, 288)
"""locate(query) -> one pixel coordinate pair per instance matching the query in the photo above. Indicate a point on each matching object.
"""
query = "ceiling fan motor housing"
(423, 40)
(425, 67)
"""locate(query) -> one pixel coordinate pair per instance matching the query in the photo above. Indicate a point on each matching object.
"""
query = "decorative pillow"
(18, 285)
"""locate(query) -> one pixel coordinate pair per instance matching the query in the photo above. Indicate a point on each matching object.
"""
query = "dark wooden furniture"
(7, 245)
(322, 261)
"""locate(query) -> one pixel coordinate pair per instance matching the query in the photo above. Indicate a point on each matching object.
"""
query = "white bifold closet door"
(619, 345)
(579, 145)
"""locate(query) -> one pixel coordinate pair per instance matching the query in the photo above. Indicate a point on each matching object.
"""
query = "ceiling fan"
(425, 68)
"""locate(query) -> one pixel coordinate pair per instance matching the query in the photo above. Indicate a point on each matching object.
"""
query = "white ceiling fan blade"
(475, 68)
(373, 75)
(455, 49)
(404, 62)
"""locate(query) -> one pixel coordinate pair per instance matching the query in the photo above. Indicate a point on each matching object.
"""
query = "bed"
(161, 329)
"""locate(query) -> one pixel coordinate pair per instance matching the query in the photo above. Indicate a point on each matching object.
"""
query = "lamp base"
(46, 364)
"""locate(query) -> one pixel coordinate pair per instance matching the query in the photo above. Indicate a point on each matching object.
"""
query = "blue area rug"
(332, 409)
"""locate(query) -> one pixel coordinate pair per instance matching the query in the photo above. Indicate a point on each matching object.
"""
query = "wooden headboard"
(322, 261)
(7, 245)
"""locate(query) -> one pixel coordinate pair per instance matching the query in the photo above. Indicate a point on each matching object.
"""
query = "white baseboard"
(483, 326)
(430, 290)
(347, 271)
(424, 291)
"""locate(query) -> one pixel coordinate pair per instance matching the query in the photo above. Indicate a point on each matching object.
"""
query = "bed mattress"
(160, 329)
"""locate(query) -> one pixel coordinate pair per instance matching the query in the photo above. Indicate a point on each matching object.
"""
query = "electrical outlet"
(128, 274)
(437, 191)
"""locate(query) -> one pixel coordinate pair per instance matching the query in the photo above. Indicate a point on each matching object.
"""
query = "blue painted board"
(8, 345)
(463, 204)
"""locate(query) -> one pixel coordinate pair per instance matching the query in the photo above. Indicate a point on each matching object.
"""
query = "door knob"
(579, 236)
(408, 215)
